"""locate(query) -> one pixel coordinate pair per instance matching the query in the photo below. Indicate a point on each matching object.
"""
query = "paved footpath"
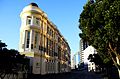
(72, 75)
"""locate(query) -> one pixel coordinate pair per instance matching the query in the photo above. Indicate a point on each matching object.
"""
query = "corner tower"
(33, 21)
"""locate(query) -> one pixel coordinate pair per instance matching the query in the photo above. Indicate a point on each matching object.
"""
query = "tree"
(2, 45)
(106, 68)
(99, 23)
(99, 62)
(11, 62)
(96, 59)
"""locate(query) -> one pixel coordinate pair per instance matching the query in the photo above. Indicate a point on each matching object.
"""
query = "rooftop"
(33, 4)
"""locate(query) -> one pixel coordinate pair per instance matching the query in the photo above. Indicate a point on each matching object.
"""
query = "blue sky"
(63, 13)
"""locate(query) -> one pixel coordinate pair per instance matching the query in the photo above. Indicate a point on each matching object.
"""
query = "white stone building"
(42, 42)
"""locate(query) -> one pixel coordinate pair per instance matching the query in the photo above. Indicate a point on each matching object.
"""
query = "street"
(71, 75)
(84, 75)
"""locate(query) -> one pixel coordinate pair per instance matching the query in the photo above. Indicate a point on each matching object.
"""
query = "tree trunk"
(119, 73)
(118, 62)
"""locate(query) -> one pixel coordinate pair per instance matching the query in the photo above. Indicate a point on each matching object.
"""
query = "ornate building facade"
(41, 41)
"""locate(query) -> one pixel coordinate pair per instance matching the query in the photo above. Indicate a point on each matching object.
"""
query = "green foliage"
(11, 61)
(99, 61)
(2, 45)
(100, 25)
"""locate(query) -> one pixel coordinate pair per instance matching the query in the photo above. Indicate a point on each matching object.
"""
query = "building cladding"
(41, 41)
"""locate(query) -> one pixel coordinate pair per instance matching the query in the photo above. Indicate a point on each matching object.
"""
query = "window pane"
(28, 20)
(27, 38)
(36, 39)
(37, 21)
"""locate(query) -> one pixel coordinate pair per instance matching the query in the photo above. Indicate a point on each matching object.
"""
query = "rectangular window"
(40, 45)
(36, 39)
(31, 46)
(27, 38)
(29, 20)
(47, 29)
(47, 46)
(37, 21)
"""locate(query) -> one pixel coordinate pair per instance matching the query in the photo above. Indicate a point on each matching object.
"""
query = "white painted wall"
(89, 50)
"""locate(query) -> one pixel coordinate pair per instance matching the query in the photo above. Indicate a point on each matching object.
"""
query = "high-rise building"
(85, 51)
(77, 59)
(75, 62)
(42, 42)
(83, 46)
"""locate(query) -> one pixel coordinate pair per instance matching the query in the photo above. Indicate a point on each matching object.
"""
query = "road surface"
(71, 75)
